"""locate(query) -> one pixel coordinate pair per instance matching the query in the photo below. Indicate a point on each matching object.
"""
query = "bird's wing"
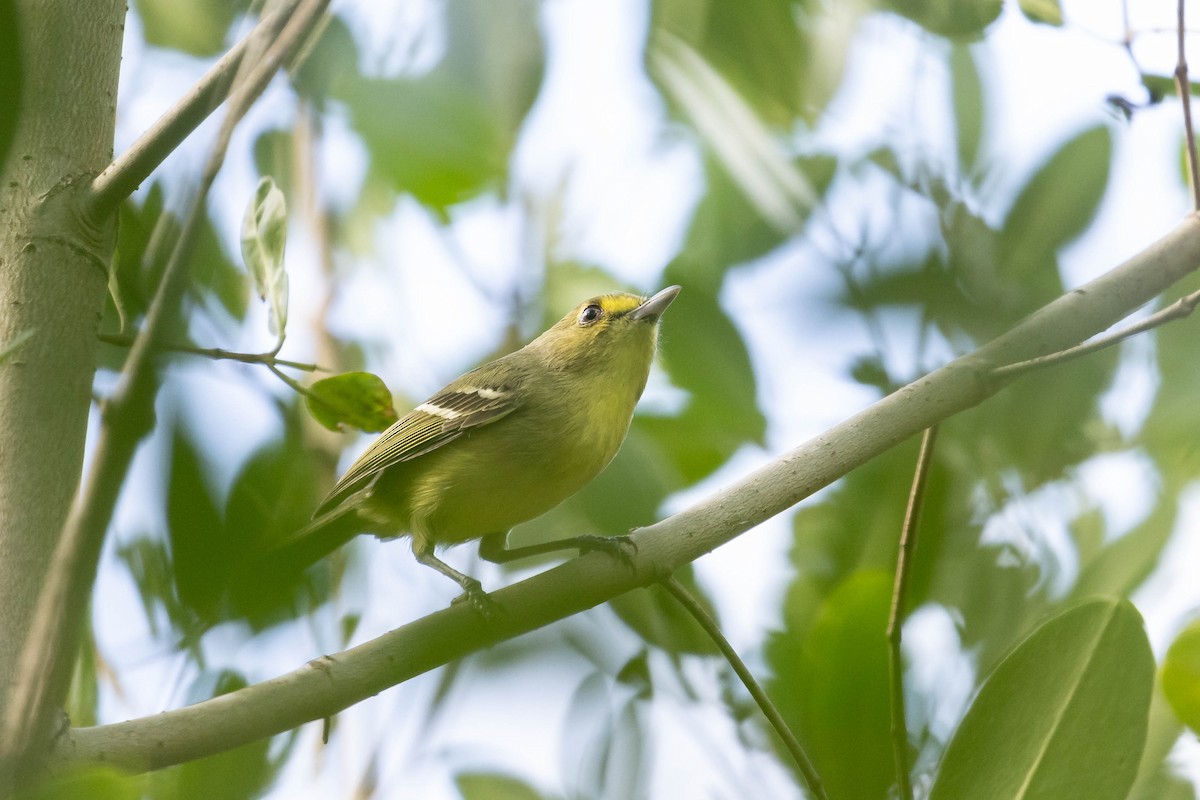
(439, 420)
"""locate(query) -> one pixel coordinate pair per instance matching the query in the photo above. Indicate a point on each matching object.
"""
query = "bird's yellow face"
(611, 326)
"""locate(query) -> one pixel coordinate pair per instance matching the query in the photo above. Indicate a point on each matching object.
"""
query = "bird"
(500, 445)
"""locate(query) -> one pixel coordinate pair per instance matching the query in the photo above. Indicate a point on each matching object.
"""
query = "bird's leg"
(491, 547)
(472, 589)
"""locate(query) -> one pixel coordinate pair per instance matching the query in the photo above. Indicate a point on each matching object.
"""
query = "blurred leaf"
(11, 78)
(1054, 207)
(954, 19)
(968, 106)
(661, 622)
(199, 541)
(149, 565)
(705, 355)
(493, 786)
(1048, 12)
(197, 27)
(273, 495)
(1181, 675)
(1157, 778)
(757, 45)
(1064, 714)
(727, 228)
(1160, 86)
(145, 235)
(358, 399)
(237, 774)
(746, 149)
(274, 155)
(93, 783)
(1121, 566)
(831, 686)
(446, 136)
(264, 235)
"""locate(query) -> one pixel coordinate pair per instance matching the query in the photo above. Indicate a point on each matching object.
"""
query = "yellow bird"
(502, 444)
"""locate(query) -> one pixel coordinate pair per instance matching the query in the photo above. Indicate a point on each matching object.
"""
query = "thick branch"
(332, 683)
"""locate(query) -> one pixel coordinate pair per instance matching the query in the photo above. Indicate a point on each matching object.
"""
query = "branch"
(47, 654)
(705, 620)
(270, 358)
(332, 683)
(122, 177)
(1185, 97)
(908, 544)
(1181, 308)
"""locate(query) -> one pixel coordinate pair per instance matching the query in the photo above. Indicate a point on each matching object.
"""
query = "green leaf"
(1047, 12)
(94, 783)
(746, 149)
(197, 27)
(831, 685)
(199, 559)
(954, 19)
(1055, 206)
(358, 399)
(1064, 715)
(264, 234)
(238, 774)
(493, 786)
(968, 105)
(1181, 675)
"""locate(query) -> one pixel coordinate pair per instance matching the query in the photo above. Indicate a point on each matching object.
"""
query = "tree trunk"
(53, 266)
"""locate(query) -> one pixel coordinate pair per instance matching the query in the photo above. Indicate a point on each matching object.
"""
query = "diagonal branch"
(122, 177)
(329, 684)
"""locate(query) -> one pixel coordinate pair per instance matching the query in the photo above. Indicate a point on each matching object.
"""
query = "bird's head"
(611, 331)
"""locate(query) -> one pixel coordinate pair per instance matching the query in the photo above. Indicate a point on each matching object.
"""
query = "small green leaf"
(1063, 715)
(1181, 676)
(968, 105)
(1047, 12)
(264, 234)
(358, 399)
(492, 786)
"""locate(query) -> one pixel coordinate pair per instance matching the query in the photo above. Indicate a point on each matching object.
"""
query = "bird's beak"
(655, 306)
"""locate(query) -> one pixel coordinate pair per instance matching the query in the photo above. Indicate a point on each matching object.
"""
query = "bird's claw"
(483, 603)
(621, 547)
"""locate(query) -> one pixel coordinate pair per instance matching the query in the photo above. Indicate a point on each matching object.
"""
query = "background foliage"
(443, 205)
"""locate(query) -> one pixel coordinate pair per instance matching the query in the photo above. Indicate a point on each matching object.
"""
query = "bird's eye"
(590, 314)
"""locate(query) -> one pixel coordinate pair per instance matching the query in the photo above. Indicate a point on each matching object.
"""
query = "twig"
(218, 354)
(1180, 309)
(908, 544)
(1185, 96)
(710, 626)
(58, 615)
(123, 176)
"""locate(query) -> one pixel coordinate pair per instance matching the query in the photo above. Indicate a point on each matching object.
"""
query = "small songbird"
(502, 444)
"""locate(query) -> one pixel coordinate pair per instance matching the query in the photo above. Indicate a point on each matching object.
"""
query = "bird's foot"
(622, 548)
(483, 603)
